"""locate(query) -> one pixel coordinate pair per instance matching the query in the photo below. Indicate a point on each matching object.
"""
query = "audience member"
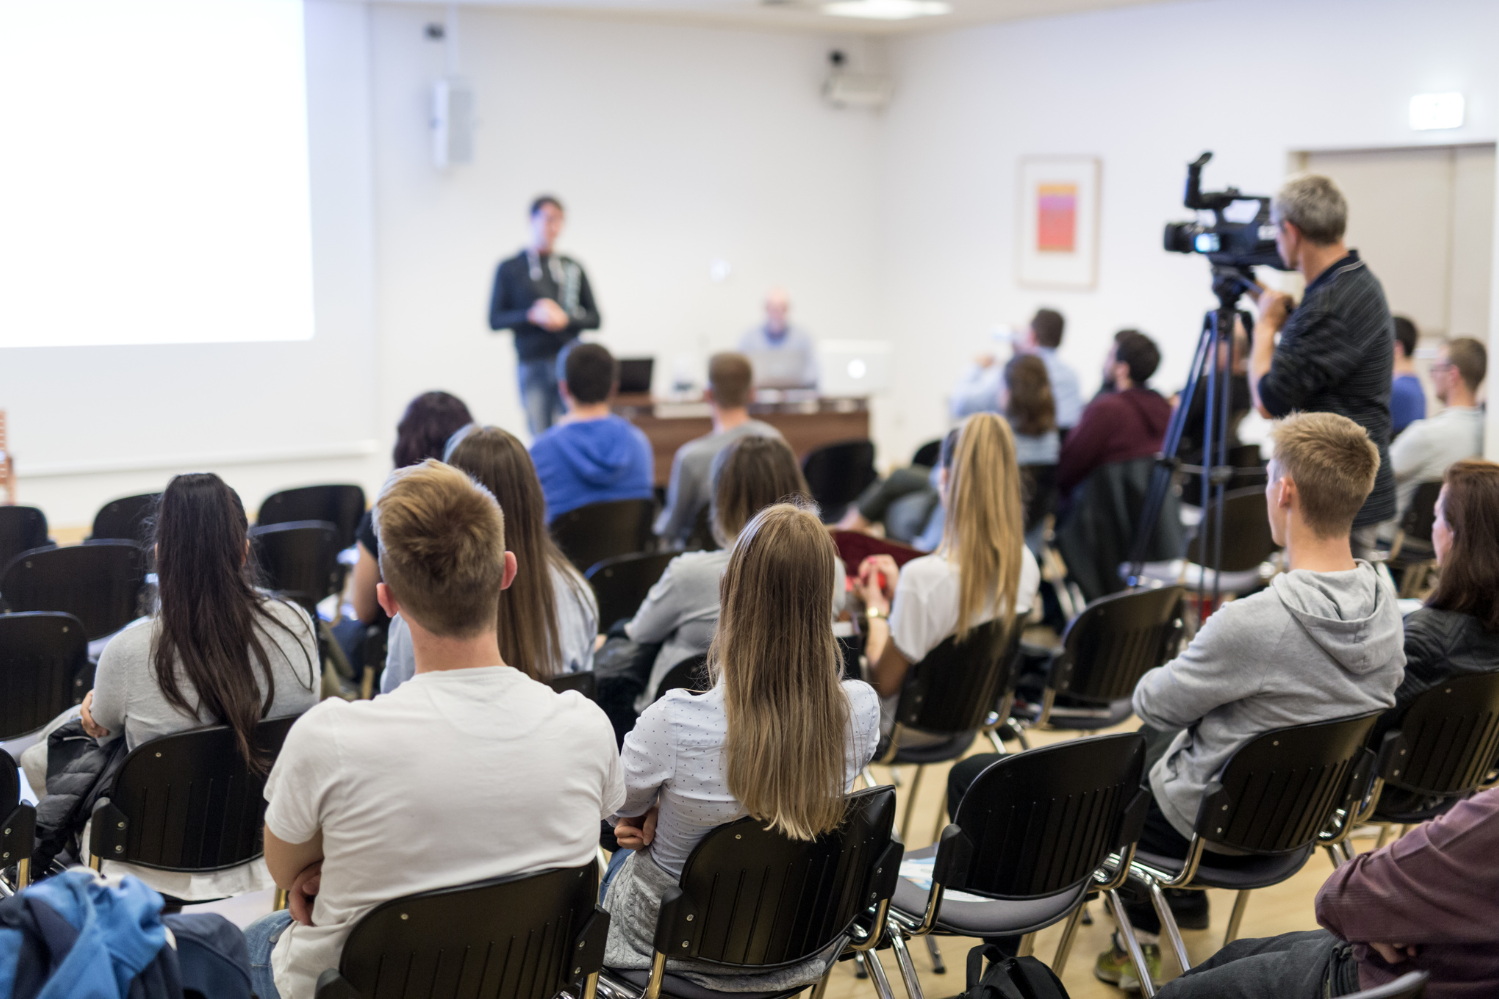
(591, 456)
(218, 651)
(1027, 402)
(468, 771)
(978, 392)
(906, 502)
(430, 419)
(1407, 397)
(1427, 447)
(1127, 423)
(778, 737)
(730, 390)
(981, 571)
(1427, 902)
(784, 352)
(1336, 349)
(548, 617)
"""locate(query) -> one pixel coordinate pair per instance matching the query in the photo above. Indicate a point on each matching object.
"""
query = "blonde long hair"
(774, 653)
(984, 533)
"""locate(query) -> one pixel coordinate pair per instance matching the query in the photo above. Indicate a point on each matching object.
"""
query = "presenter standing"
(782, 354)
(545, 299)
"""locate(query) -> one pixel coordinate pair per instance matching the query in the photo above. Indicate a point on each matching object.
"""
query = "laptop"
(783, 368)
(635, 375)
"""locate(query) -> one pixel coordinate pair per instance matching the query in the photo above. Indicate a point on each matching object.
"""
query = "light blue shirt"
(1064, 389)
(794, 339)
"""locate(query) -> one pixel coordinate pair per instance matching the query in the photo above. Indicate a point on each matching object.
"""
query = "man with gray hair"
(1336, 348)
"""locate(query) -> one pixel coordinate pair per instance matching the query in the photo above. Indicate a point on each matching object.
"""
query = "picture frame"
(1058, 222)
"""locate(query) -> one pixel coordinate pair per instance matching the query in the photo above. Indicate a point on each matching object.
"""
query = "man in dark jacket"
(1126, 423)
(1336, 350)
(545, 298)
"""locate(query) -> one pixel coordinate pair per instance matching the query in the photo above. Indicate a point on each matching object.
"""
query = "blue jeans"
(260, 938)
(538, 393)
(616, 861)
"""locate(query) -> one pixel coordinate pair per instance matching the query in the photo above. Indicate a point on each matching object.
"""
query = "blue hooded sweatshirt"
(592, 461)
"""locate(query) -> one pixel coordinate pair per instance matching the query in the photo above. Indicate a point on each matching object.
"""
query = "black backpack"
(1009, 977)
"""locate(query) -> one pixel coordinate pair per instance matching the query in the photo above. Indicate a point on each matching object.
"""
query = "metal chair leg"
(1168, 923)
(1064, 946)
(1019, 731)
(1384, 836)
(938, 967)
(1236, 917)
(861, 967)
(905, 820)
(1131, 944)
(868, 776)
(903, 962)
(940, 824)
(281, 901)
(1027, 945)
(995, 741)
(877, 975)
(821, 988)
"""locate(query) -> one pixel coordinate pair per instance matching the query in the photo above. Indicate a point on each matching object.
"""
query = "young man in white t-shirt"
(468, 771)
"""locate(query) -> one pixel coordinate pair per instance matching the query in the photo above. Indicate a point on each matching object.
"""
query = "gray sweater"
(1313, 647)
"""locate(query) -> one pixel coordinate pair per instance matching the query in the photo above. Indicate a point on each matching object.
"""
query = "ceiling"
(803, 15)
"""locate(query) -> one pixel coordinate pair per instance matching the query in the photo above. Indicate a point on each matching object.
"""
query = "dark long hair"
(529, 632)
(1469, 578)
(212, 622)
(430, 419)
(1031, 411)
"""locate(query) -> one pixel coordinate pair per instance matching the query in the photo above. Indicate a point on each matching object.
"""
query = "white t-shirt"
(925, 610)
(453, 777)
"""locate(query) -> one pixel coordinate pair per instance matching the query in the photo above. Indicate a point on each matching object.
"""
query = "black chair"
(98, 582)
(299, 559)
(526, 936)
(597, 531)
(186, 802)
(751, 899)
(22, 528)
(18, 831)
(1030, 839)
(928, 454)
(1244, 459)
(1247, 544)
(837, 474)
(341, 506)
(1105, 650)
(1412, 553)
(951, 692)
(689, 674)
(125, 519)
(701, 539)
(621, 584)
(585, 683)
(1411, 985)
(44, 669)
(1097, 534)
(1272, 800)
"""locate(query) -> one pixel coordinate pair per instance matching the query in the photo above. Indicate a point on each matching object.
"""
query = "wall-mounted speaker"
(452, 122)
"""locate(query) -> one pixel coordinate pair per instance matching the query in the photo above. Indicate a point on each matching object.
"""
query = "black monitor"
(635, 375)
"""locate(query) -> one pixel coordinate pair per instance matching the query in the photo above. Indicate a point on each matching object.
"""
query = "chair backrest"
(1116, 640)
(928, 454)
(10, 784)
(621, 583)
(838, 473)
(1043, 821)
(957, 684)
(585, 682)
(341, 506)
(125, 519)
(690, 674)
(1279, 790)
(1411, 985)
(22, 528)
(187, 802)
(1246, 532)
(1448, 738)
(755, 898)
(299, 559)
(1039, 492)
(597, 531)
(516, 937)
(701, 539)
(1421, 512)
(98, 582)
(43, 669)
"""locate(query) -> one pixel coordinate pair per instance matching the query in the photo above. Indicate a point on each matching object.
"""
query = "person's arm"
(366, 576)
(674, 520)
(1224, 663)
(287, 860)
(301, 789)
(660, 613)
(1320, 354)
(505, 312)
(879, 577)
(1426, 659)
(977, 391)
(109, 702)
(648, 758)
(1086, 447)
(586, 315)
(1410, 451)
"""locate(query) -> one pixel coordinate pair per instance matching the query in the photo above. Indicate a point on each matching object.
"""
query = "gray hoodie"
(1313, 647)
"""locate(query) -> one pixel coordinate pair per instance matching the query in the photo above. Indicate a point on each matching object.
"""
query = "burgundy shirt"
(1118, 426)
(1436, 888)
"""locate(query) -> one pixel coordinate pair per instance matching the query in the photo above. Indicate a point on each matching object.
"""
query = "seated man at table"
(784, 352)
(730, 389)
(591, 456)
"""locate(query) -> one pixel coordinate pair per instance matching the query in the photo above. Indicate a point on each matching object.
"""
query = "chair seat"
(1190, 574)
(1062, 716)
(937, 752)
(1261, 872)
(999, 917)
(681, 988)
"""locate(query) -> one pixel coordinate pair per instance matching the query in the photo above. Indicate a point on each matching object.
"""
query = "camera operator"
(1336, 349)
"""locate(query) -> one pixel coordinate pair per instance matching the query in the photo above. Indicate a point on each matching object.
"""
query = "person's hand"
(636, 833)
(1393, 953)
(304, 891)
(1274, 307)
(547, 314)
(876, 583)
(89, 726)
(984, 361)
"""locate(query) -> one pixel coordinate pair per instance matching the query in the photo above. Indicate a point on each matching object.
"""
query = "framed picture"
(1058, 221)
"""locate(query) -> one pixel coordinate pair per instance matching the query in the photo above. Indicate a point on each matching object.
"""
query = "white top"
(577, 624)
(454, 777)
(675, 755)
(925, 610)
(1425, 448)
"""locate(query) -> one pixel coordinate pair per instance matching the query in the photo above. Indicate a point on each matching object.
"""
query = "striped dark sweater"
(1336, 355)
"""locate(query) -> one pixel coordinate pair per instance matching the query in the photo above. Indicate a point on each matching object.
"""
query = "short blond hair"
(442, 548)
(1333, 463)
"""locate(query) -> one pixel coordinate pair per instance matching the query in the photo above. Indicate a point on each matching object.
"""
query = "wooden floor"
(1281, 909)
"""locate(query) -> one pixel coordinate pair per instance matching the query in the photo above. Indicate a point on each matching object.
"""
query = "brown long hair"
(1468, 582)
(788, 718)
(985, 529)
(529, 630)
(749, 475)
(1031, 410)
(213, 623)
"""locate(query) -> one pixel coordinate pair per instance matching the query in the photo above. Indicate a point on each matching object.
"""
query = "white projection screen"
(154, 188)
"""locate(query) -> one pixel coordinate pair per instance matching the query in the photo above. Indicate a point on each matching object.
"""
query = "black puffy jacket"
(79, 771)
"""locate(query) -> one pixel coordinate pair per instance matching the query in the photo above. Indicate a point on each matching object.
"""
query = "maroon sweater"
(1436, 888)
(1118, 426)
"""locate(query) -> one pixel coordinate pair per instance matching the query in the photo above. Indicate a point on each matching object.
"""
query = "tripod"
(1229, 284)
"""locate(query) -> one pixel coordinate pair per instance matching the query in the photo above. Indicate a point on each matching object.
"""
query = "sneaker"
(1115, 967)
(1188, 908)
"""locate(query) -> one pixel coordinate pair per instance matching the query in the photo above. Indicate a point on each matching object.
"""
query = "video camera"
(1241, 235)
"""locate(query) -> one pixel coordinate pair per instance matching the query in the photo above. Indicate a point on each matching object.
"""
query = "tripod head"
(1229, 285)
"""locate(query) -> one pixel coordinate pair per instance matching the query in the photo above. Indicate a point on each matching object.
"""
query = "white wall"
(1145, 89)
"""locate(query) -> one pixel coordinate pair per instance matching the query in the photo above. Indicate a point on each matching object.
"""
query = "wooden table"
(806, 420)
